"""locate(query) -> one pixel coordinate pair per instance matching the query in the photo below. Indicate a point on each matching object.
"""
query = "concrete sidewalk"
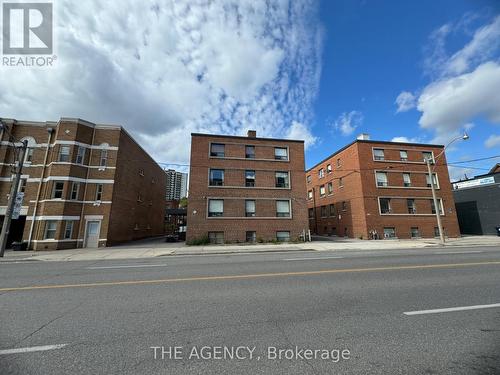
(157, 248)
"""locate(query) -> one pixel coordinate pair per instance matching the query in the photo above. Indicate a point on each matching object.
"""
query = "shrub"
(199, 241)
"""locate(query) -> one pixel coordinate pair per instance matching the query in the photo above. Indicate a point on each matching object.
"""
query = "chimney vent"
(364, 137)
(252, 133)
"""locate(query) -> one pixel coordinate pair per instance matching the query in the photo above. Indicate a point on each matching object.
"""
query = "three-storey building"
(83, 185)
(246, 189)
(379, 187)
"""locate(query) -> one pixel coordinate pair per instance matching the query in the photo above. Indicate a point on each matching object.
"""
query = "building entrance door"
(92, 233)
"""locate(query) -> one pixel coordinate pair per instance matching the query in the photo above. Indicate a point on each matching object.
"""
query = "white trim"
(94, 217)
(28, 165)
(24, 210)
(54, 217)
(78, 179)
(72, 201)
(65, 240)
(86, 145)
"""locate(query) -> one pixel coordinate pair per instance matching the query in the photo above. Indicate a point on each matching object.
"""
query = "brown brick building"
(382, 186)
(84, 185)
(246, 189)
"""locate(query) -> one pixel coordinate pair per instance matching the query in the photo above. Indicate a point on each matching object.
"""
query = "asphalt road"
(357, 313)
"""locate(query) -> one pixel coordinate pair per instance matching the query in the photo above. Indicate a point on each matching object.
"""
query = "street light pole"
(12, 198)
(437, 207)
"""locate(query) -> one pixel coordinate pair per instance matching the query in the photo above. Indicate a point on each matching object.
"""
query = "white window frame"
(80, 155)
(285, 214)
(47, 229)
(64, 155)
(73, 185)
(99, 189)
(68, 225)
(54, 190)
(381, 182)
(281, 157)
(215, 213)
(378, 157)
(250, 213)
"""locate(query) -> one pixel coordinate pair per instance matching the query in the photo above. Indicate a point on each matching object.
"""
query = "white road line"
(310, 258)
(127, 266)
(451, 309)
(457, 252)
(32, 349)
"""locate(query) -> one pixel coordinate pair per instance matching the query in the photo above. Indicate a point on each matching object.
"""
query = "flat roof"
(376, 142)
(247, 138)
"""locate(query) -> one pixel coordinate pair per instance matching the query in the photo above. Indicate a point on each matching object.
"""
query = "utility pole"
(437, 207)
(12, 197)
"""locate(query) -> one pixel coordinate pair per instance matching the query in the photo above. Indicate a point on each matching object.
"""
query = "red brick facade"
(397, 199)
(79, 172)
(270, 185)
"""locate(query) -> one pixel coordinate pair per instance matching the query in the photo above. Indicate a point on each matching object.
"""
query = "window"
(339, 163)
(321, 173)
(433, 207)
(29, 154)
(332, 209)
(341, 182)
(68, 230)
(50, 230)
(414, 232)
(434, 180)
(217, 149)
(250, 153)
(410, 204)
(406, 180)
(311, 213)
(328, 168)
(322, 191)
(103, 159)
(216, 177)
(249, 178)
(75, 188)
(57, 192)
(436, 231)
(426, 155)
(215, 207)
(64, 153)
(283, 236)
(390, 232)
(249, 208)
(344, 206)
(403, 155)
(216, 237)
(80, 155)
(251, 236)
(385, 205)
(310, 194)
(98, 192)
(280, 153)
(282, 180)
(22, 185)
(309, 179)
(381, 178)
(282, 208)
(330, 187)
(323, 211)
(378, 154)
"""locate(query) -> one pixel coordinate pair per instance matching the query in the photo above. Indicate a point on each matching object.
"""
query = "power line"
(472, 160)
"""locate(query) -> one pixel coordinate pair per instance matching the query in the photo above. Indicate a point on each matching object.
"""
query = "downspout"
(85, 192)
(39, 191)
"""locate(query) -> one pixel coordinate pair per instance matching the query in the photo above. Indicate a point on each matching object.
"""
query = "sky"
(322, 71)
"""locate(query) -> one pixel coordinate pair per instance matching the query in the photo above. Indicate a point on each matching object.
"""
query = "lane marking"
(457, 252)
(315, 258)
(32, 349)
(125, 266)
(451, 309)
(249, 276)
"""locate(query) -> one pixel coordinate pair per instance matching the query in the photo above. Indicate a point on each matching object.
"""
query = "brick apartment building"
(84, 185)
(246, 189)
(382, 186)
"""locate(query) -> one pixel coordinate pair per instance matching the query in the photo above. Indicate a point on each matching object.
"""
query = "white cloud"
(164, 69)
(492, 141)
(447, 105)
(301, 132)
(347, 122)
(405, 140)
(405, 101)
(484, 43)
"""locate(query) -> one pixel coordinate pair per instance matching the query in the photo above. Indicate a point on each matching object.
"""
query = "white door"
(92, 233)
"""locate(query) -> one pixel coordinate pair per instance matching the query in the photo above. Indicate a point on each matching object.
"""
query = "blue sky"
(374, 50)
(322, 71)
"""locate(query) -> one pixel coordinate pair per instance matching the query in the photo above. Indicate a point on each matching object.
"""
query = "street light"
(437, 208)
(14, 187)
